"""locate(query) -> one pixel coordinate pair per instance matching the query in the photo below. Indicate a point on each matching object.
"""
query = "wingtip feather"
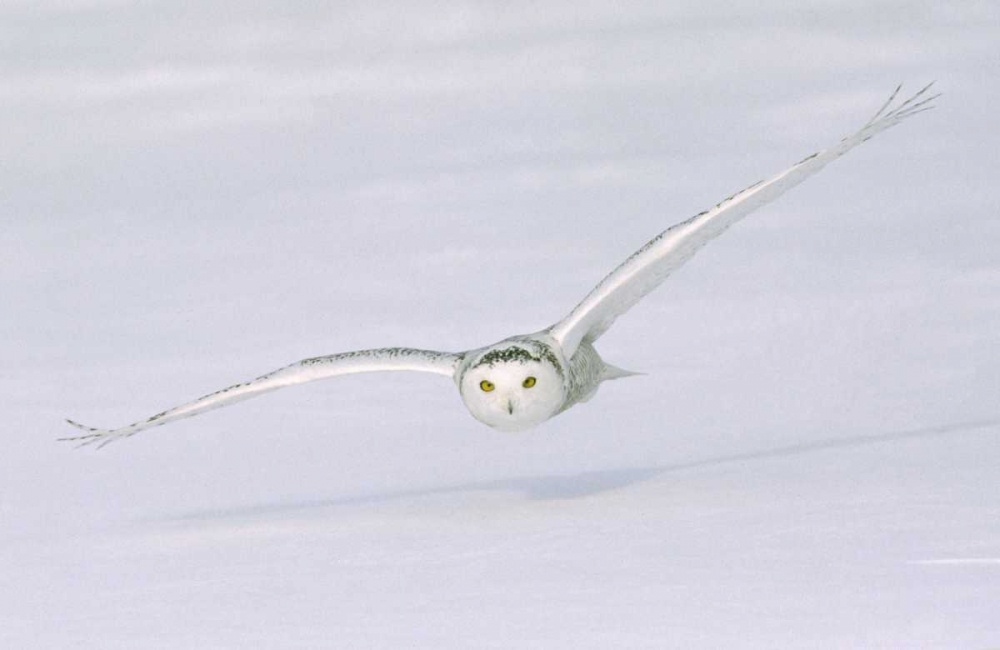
(92, 435)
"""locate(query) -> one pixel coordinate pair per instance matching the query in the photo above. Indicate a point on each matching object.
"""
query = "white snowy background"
(194, 194)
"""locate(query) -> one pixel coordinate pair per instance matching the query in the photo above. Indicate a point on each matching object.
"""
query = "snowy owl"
(524, 380)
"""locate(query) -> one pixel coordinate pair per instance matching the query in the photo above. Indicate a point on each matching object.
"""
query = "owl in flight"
(524, 380)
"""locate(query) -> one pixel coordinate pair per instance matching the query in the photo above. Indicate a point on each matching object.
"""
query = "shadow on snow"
(585, 484)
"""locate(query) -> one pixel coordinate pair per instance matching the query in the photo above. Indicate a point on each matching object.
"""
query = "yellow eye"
(529, 382)
(486, 385)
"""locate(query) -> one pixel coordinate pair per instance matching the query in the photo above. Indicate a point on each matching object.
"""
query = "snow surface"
(193, 197)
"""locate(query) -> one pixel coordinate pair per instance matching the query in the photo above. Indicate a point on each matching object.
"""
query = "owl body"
(524, 380)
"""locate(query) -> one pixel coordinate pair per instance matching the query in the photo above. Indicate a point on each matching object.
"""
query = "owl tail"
(614, 372)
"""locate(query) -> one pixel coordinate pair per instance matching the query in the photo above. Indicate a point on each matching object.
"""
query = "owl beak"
(510, 406)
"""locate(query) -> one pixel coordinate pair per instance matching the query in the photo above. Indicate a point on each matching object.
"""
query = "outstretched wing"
(651, 264)
(334, 365)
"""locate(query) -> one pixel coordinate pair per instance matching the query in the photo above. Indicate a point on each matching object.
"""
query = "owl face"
(512, 387)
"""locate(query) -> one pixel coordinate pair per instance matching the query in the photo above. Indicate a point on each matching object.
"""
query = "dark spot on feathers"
(507, 355)
(516, 353)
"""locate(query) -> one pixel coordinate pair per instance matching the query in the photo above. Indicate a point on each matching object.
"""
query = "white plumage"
(524, 380)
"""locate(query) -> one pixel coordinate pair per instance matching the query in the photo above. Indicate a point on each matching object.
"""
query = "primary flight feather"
(526, 379)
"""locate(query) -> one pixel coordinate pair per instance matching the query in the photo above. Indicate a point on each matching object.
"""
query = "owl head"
(513, 386)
